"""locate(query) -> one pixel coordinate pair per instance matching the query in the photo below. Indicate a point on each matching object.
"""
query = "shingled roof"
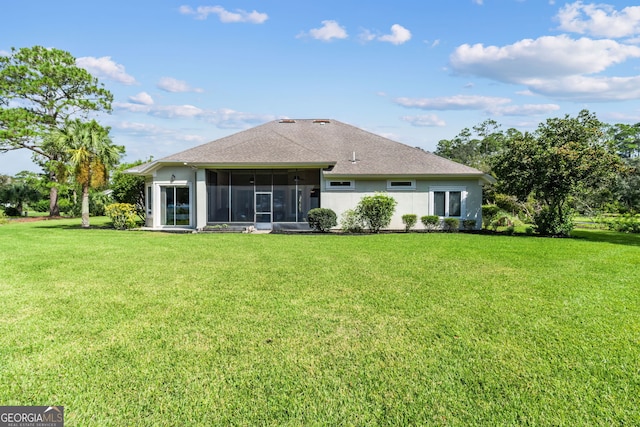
(346, 150)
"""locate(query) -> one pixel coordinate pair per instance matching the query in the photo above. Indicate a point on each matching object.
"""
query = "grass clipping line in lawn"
(134, 328)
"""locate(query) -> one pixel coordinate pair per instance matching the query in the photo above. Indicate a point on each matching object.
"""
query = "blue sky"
(185, 73)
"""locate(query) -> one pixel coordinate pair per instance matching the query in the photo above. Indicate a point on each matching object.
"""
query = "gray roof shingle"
(322, 143)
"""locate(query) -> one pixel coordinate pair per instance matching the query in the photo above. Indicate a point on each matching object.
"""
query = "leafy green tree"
(376, 210)
(18, 193)
(127, 188)
(91, 153)
(40, 90)
(475, 149)
(561, 157)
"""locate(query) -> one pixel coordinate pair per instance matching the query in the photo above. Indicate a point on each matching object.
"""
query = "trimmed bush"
(469, 224)
(351, 222)
(489, 213)
(376, 211)
(430, 222)
(548, 223)
(322, 219)
(123, 215)
(451, 224)
(409, 221)
(12, 211)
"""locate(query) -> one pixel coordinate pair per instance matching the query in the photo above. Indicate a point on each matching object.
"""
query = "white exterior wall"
(411, 201)
(183, 176)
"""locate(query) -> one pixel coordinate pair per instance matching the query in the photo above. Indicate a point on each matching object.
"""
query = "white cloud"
(399, 35)
(428, 120)
(330, 30)
(559, 66)
(457, 102)
(223, 118)
(366, 36)
(490, 105)
(142, 98)
(203, 12)
(105, 67)
(169, 84)
(600, 20)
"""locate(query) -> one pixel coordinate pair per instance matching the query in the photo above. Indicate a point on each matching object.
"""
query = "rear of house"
(270, 177)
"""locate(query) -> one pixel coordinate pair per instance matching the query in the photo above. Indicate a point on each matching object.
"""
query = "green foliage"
(563, 156)
(409, 221)
(42, 89)
(322, 219)
(451, 224)
(469, 224)
(123, 215)
(18, 194)
(12, 211)
(430, 222)
(351, 221)
(127, 188)
(548, 223)
(376, 211)
(489, 212)
(3, 217)
(475, 149)
(627, 223)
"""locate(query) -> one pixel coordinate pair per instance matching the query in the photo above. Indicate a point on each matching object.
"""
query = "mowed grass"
(140, 328)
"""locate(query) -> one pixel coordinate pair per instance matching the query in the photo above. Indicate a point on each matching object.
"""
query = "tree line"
(48, 106)
(567, 165)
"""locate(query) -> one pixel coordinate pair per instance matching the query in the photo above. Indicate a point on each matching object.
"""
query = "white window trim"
(351, 186)
(446, 190)
(401, 188)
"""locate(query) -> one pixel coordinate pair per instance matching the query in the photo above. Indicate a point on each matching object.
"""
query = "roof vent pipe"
(353, 157)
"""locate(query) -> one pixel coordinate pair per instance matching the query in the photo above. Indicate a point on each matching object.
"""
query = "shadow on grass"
(607, 237)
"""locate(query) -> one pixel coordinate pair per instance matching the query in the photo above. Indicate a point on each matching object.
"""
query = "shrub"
(451, 224)
(626, 223)
(322, 219)
(469, 224)
(547, 223)
(376, 211)
(123, 215)
(409, 221)
(3, 217)
(12, 211)
(40, 205)
(489, 213)
(430, 222)
(351, 222)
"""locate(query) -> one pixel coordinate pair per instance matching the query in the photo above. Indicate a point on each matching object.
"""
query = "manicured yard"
(138, 328)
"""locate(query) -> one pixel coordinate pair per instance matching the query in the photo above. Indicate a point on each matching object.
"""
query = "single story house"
(270, 176)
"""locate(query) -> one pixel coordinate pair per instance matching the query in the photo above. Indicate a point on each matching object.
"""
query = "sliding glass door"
(176, 205)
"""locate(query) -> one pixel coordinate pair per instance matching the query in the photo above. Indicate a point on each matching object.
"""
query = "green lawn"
(140, 328)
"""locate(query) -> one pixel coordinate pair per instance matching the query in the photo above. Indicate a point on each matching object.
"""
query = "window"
(409, 184)
(447, 201)
(341, 185)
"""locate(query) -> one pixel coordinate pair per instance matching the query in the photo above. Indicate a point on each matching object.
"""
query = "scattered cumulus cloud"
(456, 102)
(557, 66)
(105, 67)
(599, 20)
(142, 98)
(491, 105)
(169, 84)
(330, 30)
(399, 35)
(427, 120)
(223, 118)
(226, 17)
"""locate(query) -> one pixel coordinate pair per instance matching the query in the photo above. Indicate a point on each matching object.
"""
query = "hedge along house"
(270, 176)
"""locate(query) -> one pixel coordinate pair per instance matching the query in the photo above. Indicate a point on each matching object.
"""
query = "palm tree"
(91, 153)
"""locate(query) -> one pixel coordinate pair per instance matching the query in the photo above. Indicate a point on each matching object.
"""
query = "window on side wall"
(447, 202)
(401, 184)
(341, 185)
